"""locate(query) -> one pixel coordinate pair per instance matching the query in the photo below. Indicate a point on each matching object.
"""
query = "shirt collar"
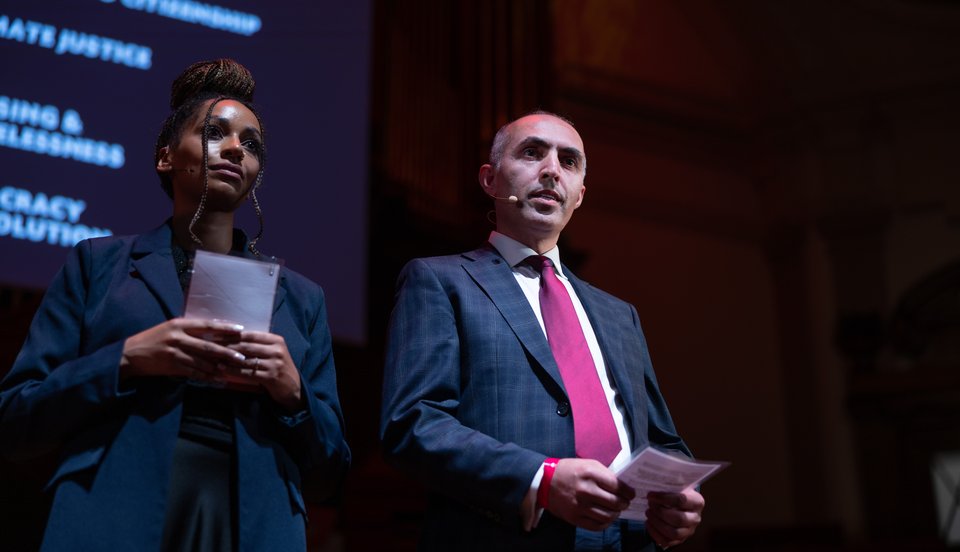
(515, 252)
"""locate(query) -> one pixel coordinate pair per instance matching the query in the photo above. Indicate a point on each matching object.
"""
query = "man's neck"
(540, 244)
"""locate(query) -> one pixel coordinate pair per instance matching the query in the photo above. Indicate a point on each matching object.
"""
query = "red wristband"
(543, 492)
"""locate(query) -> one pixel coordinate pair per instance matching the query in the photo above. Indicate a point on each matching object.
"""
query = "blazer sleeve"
(53, 388)
(421, 396)
(315, 436)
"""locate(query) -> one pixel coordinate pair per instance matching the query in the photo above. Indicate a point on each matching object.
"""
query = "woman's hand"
(182, 347)
(268, 365)
(215, 351)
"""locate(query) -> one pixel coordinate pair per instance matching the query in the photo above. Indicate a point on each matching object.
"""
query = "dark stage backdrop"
(84, 87)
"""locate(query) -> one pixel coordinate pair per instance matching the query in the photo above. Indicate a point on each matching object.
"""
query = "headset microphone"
(189, 170)
(508, 199)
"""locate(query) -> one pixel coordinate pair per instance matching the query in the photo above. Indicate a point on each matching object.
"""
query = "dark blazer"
(474, 402)
(116, 442)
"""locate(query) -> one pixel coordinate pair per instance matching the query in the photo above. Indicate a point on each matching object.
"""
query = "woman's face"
(234, 146)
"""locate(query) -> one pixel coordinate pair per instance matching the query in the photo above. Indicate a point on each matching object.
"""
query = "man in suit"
(512, 406)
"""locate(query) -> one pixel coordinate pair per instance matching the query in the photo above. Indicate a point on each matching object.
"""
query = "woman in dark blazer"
(173, 433)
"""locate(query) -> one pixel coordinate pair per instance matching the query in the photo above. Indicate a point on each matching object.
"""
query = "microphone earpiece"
(189, 170)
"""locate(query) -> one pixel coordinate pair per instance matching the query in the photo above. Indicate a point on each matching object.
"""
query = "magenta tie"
(594, 432)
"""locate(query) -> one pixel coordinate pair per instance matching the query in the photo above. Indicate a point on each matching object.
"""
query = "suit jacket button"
(563, 408)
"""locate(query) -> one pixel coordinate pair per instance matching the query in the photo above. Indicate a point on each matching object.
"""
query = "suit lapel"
(152, 261)
(494, 276)
(607, 324)
(281, 293)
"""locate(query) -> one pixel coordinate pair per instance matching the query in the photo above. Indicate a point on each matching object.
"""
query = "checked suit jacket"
(473, 400)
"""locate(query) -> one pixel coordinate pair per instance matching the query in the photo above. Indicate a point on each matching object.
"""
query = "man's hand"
(673, 517)
(587, 494)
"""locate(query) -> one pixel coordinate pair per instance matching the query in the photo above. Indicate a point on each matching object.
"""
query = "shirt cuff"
(529, 512)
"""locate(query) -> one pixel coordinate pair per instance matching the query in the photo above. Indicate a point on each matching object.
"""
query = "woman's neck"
(215, 230)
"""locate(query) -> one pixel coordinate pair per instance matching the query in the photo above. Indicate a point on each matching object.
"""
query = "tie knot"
(538, 262)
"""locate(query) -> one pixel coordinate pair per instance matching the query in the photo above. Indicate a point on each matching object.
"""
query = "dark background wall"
(772, 184)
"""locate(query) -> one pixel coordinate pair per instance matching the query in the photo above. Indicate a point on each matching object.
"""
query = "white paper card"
(233, 289)
(945, 470)
(652, 470)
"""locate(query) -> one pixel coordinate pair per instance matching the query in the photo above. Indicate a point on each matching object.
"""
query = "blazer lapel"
(494, 276)
(281, 292)
(152, 261)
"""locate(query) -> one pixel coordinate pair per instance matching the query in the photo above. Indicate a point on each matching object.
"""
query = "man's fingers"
(596, 519)
(587, 494)
(673, 517)
(659, 538)
(602, 500)
(602, 476)
(669, 526)
(689, 500)
(665, 518)
(669, 500)
(625, 492)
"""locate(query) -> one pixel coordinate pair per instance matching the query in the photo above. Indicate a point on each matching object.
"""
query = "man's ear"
(486, 178)
(165, 164)
(583, 191)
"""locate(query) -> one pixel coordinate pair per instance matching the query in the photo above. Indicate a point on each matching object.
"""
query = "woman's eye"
(253, 145)
(214, 132)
